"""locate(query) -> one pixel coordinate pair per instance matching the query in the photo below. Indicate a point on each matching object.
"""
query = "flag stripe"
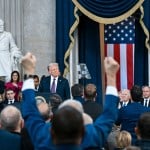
(130, 65)
(123, 66)
(124, 55)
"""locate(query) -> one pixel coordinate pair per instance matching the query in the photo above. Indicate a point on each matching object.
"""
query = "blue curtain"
(108, 8)
(64, 20)
(89, 52)
(141, 52)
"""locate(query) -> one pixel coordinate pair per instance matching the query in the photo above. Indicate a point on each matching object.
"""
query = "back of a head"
(67, 126)
(55, 100)
(77, 90)
(9, 118)
(144, 126)
(123, 139)
(136, 93)
(73, 103)
(45, 111)
(40, 99)
(90, 92)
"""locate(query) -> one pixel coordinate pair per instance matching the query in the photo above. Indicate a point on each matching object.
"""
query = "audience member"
(111, 143)
(11, 123)
(96, 133)
(129, 115)
(146, 96)
(143, 131)
(15, 84)
(77, 91)
(10, 99)
(125, 95)
(45, 111)
(55, 101)
(55, 83)
(40, 99)
(123, 140)
(77, 105)
(90, 106)
(36, 82)
(67, 128)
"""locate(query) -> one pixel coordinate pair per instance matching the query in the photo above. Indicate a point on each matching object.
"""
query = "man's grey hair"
(73, 103)
(53, 64)
(10, 117)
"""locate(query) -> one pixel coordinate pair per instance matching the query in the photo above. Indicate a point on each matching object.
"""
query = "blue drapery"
(89, 51)
(141, 51)
(64, 20)
(108, 8)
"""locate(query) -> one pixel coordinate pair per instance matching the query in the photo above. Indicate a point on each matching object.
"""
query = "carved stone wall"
(32, 23)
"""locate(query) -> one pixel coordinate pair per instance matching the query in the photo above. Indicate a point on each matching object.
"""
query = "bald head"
(78, 106)
(73, 103)
(11, 119)
(90, 92)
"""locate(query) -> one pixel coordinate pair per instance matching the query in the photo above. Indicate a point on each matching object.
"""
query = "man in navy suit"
(55, 83)
(146, 96)
(129, 115)
(95, 134)
(10, 99)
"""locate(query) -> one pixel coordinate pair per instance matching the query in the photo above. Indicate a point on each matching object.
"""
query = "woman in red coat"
(15, 84)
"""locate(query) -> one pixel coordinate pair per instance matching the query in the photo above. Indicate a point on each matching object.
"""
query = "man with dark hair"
(96, 133)
(55, 101)
(67, 128)
(143, 131)
(77, 91)
(36, 82)
(90, 106)
(129, 115)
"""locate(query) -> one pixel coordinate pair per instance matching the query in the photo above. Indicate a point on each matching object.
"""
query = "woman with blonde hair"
(123, 140)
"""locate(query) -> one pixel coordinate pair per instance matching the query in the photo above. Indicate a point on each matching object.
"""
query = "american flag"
(119, 43)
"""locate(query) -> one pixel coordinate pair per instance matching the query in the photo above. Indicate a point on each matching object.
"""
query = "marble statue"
(9, 53)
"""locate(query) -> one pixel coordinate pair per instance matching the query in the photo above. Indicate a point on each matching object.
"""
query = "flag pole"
(101, 35)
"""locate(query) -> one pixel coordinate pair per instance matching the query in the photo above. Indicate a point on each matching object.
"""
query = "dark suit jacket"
(92, 108)
(95, 134)
(63, 88)
(16, 104)
(142, 102)
(129, 115)
(121, 103)
(9, 141)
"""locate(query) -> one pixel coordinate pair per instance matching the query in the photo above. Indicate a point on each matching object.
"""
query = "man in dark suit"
(125, 95)
(77, 91)
(96, 133)
(90, 106)
(10, 99)
(146, 96)
(129, 115)
(11, 123)
(55, 83)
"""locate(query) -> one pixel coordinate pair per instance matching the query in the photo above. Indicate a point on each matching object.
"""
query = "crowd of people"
(60, 122)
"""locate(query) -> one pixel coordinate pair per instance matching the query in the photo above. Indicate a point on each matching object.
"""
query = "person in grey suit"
(55, 83)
